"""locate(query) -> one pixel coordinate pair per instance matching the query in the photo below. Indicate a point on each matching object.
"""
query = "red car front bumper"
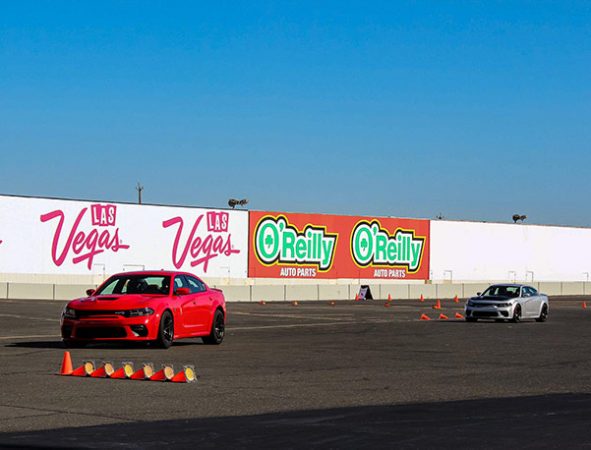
(111, 329)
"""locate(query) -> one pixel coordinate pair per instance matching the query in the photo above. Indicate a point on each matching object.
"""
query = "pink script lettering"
(84, 246)
(201, 248)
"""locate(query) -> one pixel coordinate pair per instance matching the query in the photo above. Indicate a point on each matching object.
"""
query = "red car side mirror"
(89, 292)
(182, 291)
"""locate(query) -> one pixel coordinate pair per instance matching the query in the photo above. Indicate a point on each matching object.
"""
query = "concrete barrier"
(70, 292)
(397, 291)
(429, 291)
(303, 292)
(550, 288)
(471, 289)
(236, 293)
(29, 291)
(278, 292)
(449, 290)
(573, 288)
(334, 292)
(268, 293)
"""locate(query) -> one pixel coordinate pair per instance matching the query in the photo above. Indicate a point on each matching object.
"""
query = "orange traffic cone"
(262, 302)
(389, 297)
(424, 317)
(187, 375)
(145, 373)
(456, 299)
(66, 368)
(105, 371)
(459, 316)
(422, 299)
(84, 370)
(164, 374)
(584, 305)
(356, 297)
(437, 305)
(443, 317)
(124, 372)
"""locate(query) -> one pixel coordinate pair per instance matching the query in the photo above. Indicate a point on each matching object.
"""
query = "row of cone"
(441, 316)
(357, 298)
(294, 303)
(127, 371)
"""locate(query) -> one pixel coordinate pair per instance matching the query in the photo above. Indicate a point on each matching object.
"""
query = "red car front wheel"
(166, 330)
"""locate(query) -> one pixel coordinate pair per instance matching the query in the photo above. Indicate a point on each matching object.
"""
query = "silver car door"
(536, 303)
(528, 302)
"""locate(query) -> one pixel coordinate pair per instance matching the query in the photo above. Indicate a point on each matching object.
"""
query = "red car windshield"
(136, 284)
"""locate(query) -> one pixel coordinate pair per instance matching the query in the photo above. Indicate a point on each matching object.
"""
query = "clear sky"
(475, 109)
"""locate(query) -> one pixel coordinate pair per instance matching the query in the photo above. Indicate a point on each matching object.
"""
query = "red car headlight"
(139, 312)
(69, 313)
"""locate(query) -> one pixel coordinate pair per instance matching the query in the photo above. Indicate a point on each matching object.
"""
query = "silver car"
(508, 302)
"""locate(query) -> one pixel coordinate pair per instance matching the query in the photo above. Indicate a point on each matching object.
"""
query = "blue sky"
(476, 110)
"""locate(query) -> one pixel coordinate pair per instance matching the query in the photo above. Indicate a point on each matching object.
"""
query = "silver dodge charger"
(508, 302)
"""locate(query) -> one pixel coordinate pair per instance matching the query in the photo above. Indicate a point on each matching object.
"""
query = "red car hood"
(110, 302)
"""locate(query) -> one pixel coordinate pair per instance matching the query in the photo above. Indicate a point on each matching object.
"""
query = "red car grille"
(81, 314)
(100, 332)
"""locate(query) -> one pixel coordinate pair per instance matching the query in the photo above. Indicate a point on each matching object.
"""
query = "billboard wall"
(473, 251)
(293, 245)
(45, 236)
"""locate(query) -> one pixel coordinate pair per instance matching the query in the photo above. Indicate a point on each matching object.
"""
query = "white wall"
(469, 251)
(129, 237)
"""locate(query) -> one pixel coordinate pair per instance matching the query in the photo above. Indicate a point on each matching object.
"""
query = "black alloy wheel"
(543, 314)
(166, 330)
(516, 314)
(218, 330)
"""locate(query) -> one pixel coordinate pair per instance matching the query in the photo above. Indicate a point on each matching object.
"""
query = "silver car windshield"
(502, 291)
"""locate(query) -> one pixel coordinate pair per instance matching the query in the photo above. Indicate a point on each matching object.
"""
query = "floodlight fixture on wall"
(235, 202)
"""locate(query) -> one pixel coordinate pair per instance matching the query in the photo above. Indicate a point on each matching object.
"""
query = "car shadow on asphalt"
(36, 344)
(114, 345)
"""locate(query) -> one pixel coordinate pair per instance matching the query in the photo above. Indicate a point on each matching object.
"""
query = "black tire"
(166, 330)
(471, 319)
(516, 314)
(218, 330)
(543, 314)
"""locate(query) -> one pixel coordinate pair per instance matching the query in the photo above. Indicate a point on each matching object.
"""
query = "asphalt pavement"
(352, 375)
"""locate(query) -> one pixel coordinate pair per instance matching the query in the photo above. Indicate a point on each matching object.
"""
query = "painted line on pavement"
(31, 336)
(303, 325)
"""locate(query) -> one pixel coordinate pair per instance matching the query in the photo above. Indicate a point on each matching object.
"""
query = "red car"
(156, 307)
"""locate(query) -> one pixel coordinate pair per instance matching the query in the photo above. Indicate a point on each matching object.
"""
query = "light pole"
(139, 188)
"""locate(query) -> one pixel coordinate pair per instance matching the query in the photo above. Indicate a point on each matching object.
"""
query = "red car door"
(203, 303)
(184, 305)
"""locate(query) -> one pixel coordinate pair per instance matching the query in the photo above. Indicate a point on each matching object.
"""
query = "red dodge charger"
(147, 306)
